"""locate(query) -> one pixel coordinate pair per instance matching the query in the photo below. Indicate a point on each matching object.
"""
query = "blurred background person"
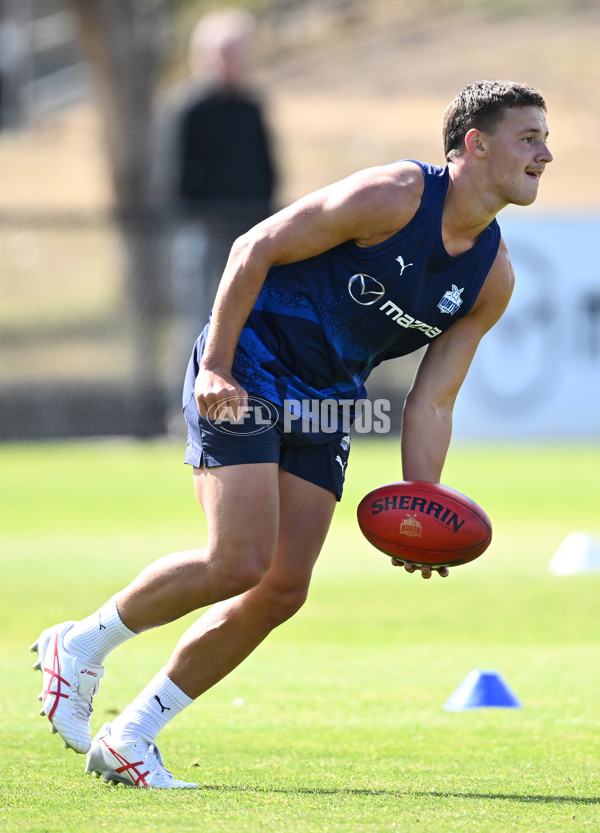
(221, 174)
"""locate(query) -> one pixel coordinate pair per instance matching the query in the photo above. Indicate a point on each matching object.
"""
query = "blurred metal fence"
(84, 314)
(98, 315)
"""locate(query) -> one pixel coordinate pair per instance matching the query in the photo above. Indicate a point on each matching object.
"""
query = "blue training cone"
(480, 690)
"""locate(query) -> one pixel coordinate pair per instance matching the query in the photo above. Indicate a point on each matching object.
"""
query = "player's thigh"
(305, 514)
(241, 504)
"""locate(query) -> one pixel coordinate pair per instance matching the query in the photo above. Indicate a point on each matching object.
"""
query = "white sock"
(151, 710)
(95, 637)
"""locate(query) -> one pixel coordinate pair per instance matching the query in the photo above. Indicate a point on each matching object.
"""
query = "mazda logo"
(365, 290)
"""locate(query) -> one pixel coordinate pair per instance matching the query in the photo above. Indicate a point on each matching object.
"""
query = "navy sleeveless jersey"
(320, 325)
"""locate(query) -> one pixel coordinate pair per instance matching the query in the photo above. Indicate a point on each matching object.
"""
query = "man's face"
(518, 154)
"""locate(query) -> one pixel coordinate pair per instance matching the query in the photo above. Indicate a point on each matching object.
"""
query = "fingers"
(220, 397)
(425, 569)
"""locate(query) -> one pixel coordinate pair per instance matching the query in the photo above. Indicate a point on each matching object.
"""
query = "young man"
(370, 268)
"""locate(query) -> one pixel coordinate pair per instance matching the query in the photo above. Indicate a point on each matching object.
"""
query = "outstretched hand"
(426, 570)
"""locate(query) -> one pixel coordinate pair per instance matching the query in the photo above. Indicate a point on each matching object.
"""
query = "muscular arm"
(427, 419)
(367, 207)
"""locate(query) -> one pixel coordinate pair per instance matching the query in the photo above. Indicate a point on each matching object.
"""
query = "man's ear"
(475, 142)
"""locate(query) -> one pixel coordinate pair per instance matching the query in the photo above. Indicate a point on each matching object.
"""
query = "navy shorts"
(261, 438)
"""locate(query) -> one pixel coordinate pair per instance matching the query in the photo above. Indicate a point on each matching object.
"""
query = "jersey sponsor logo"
(451, 300)
(403, 265)
(403, 319)
(365, 290)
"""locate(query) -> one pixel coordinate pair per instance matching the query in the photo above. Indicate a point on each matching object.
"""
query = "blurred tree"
(124, 40)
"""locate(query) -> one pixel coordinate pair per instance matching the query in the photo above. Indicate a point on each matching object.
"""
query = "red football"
(425, 523)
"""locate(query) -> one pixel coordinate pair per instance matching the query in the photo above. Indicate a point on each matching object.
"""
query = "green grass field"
(336, 723)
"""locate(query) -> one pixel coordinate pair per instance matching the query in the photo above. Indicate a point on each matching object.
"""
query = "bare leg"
(242, 508)
(232, 629)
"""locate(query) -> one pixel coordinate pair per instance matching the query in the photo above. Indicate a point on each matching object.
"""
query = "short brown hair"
(482, 105)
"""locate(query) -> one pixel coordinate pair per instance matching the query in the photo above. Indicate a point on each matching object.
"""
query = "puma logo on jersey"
(339, 460)
(403, 265)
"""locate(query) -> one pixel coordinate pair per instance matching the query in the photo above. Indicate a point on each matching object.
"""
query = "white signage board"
(536, 374)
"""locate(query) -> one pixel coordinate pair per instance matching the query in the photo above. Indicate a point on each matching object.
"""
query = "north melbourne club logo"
(451, 300)
(365, 290)
(411, 527)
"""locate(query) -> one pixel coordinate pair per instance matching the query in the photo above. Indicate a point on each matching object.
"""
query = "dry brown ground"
(346, 95)
(377, 92)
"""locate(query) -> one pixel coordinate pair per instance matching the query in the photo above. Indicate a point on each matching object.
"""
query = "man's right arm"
(366, 207)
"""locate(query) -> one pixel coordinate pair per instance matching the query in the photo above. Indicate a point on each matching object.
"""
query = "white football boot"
(69, 685)
(137, 764)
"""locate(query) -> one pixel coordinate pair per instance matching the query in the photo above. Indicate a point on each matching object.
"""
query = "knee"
(283, 602)
(242, 571)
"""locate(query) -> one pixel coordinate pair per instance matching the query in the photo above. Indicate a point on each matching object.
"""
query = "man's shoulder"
(404, 172)
(386, 197)
(402, 181)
